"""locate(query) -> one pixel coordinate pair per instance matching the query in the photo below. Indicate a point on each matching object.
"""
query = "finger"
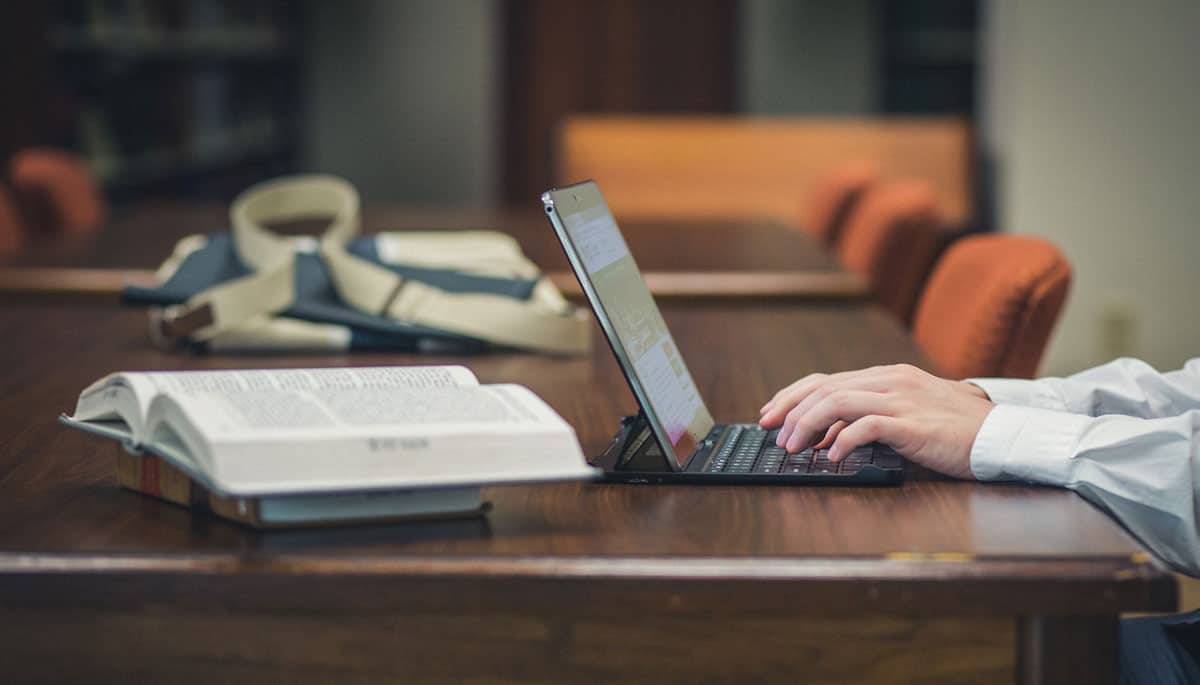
(774, 412)
(844, 405)
(875, 379)
(789, 390)
(830, 435)
(869, 429)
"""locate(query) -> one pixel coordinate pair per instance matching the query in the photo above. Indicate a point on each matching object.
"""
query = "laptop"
(674, 437)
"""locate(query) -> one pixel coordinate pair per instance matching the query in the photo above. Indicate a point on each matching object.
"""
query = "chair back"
(59, 191)
(893, 238)
(834, 198)
(12, 228)
(720, 167)
(991, 304)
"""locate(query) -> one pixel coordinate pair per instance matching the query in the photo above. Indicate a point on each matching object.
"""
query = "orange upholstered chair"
(12, 228)
(833, 199)
(991, 304)
(893, 237)
(58, 190)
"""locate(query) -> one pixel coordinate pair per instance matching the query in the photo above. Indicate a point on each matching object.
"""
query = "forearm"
(1142, 471)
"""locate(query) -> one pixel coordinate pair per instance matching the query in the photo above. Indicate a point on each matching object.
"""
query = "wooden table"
(561, 583)
(681, 260)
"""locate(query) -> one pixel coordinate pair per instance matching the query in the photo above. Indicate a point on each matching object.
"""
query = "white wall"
(1092, 112)
(402, 98)
(807, 57)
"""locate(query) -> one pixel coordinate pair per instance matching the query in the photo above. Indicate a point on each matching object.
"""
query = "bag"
(438, 292)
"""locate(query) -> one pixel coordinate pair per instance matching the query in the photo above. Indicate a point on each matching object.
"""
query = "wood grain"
(753, 285)
(143, 236)
(71, 282)
(566, 56)
(317, 647)
(107, 283)
(1067, 649)
(1189, 593)
(724, 166)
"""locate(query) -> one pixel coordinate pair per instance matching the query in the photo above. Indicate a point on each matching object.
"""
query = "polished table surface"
(559, 582)
(680, 260)
(143, 236)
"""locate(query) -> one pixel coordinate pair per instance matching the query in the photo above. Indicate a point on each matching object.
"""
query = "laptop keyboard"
(750, 450)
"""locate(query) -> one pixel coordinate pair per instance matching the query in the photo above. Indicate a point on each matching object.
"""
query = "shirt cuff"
(1025, 393)
(1025, 443)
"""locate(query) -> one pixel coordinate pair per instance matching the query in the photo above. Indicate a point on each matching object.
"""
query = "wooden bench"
(721, 166)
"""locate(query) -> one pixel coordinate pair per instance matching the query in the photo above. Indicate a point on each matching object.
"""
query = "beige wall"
(807, 57)
(1092, 112)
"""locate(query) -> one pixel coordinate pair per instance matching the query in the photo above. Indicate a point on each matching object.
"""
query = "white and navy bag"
(439, 292)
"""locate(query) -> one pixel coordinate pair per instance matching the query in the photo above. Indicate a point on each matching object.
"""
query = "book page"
(123, 397)
(285, 412)
(312, 380)
(481, 405)
(126, 397)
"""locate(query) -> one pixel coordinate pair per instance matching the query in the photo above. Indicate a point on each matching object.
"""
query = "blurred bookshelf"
(177, 98)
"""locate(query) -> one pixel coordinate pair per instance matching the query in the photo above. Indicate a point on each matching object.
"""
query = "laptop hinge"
(633, 448)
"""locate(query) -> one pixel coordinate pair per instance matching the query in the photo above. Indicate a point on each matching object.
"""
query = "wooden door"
(567, 56)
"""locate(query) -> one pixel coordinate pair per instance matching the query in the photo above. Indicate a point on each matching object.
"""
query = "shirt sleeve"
(1144, 472)
(1125, 386)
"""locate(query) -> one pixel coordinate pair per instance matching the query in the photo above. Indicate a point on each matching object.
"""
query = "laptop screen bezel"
(558, 203)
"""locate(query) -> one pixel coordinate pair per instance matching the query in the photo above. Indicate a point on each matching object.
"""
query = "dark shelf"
(181, 99)
(158, 168)
(141, 44)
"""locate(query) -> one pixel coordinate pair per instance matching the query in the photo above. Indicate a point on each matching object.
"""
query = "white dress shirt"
(1122, 435)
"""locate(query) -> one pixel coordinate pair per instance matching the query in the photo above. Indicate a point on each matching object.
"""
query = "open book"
(276, 432)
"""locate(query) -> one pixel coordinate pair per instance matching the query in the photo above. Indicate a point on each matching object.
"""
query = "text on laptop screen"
(640, 329)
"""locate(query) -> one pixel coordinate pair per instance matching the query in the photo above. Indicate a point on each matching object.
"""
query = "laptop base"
(634, 456)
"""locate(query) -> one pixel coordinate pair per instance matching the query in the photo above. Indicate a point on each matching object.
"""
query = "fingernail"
(834, 454)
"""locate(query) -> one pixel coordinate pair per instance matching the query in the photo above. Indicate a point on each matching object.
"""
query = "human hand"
(930, 420)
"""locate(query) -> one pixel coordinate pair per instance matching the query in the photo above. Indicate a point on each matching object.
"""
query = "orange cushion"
(834, 198)
(12, 229)
(991, 304)
(892, 238)
(60, 186)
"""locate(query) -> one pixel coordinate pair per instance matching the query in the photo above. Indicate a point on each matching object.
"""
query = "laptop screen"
(631, 320)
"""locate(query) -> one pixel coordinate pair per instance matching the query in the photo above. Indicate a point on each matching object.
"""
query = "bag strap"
(309, 196)
(546, 321)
